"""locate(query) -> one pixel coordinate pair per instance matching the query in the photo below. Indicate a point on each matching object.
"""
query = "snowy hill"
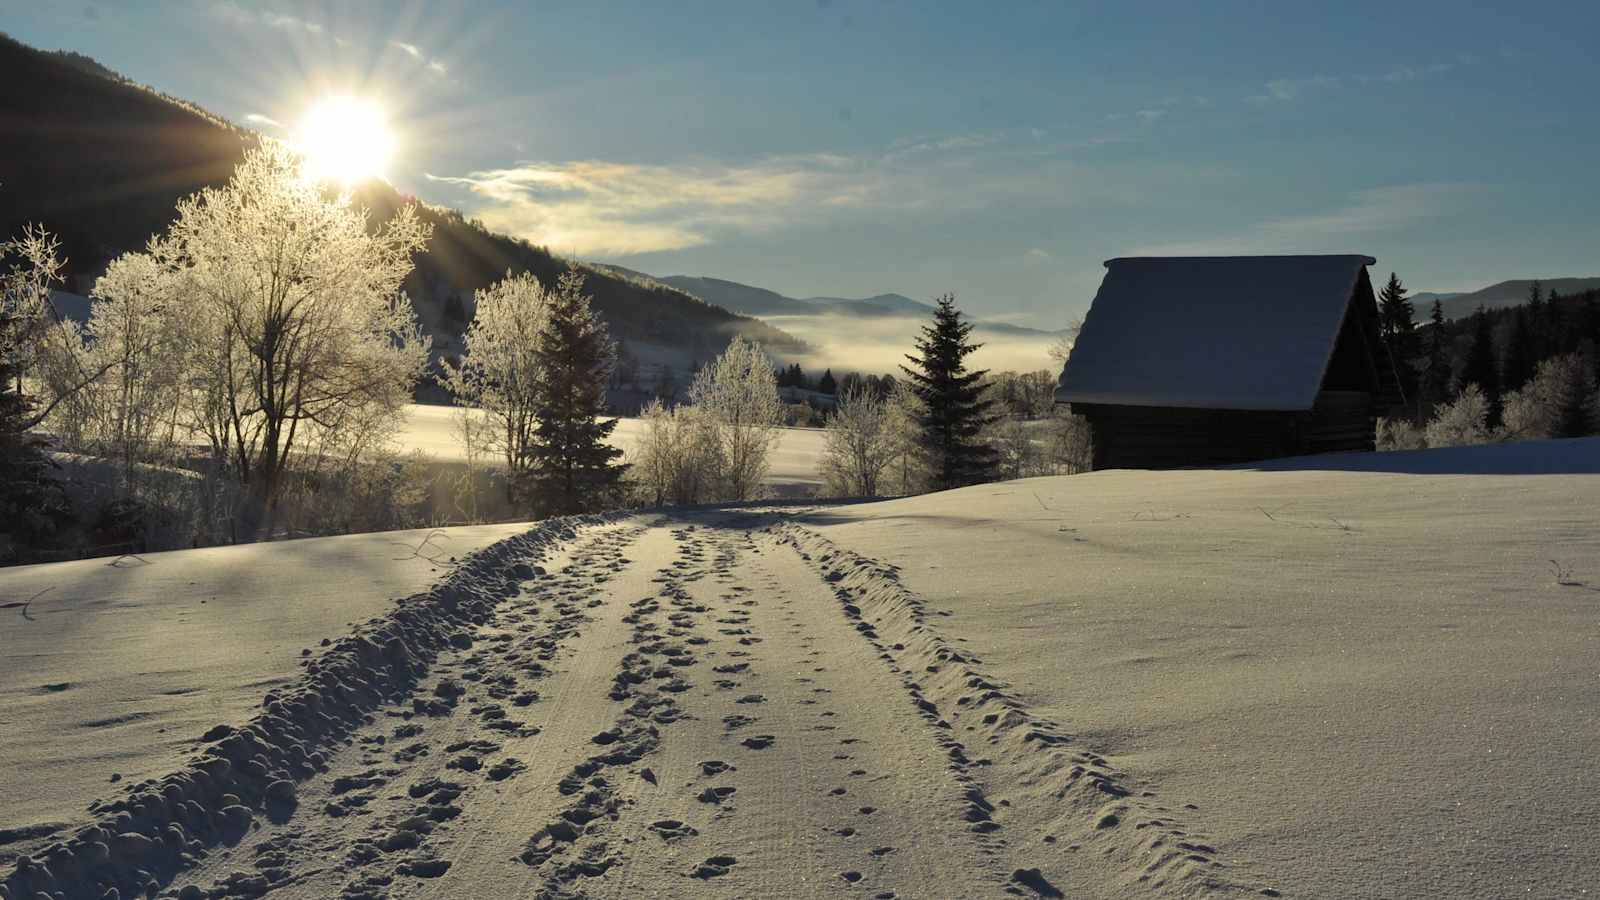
(1345, 676)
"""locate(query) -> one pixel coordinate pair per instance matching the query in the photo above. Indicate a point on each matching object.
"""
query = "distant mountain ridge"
(1498, 295)
(759, 301)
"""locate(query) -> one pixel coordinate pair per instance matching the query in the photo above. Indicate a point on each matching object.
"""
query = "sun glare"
(345, 139)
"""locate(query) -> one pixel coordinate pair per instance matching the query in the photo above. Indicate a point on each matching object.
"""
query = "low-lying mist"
(879, 344)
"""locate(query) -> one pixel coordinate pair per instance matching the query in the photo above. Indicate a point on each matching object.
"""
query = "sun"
(345, 139)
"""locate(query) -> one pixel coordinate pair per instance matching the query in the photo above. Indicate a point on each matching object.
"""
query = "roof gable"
(1225, 332)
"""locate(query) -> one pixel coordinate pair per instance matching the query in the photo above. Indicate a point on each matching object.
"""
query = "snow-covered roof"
(1214, 332)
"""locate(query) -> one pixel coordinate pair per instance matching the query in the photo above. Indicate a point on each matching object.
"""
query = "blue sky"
(1000, 151)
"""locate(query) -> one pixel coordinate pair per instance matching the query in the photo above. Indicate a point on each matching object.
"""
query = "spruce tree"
(572, 468)
(1575, 400)
(826, 384)
(1397, 321)
(1519, 362)
(1538, 327)
(1481, 369)
(955, 410)
(1436, 374)
(33, 504)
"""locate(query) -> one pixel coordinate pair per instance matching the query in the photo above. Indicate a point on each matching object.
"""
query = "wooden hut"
(1203, 361)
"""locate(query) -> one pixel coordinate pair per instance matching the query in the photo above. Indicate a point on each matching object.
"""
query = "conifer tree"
(1397, 321)
(1436, 374)
(571, 467)
(32, 502)
(826, 384)
(1576, 399)
(955, 410)
(1481, 369)
(1519, 362)
(1538, 327)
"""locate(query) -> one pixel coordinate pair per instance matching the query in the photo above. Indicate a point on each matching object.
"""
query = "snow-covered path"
(683, 709)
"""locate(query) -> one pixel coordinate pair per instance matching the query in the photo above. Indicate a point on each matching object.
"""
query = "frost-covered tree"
(955, 409)
(908, 469)
(293, 315)
(499, 373)
(1463, 422)
(1560, 401)
(858, 444)
(739, 393)
(134, 412)
(571, 468)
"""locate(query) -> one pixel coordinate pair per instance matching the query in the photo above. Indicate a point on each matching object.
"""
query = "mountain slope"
(101, 162)
(758, 301)
(1509, 293)
(898, 303)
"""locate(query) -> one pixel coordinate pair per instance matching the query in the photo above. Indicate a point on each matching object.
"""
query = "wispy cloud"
(259, 119)
(243, 16)
(1152, 112)
(433, 65)
(1362, 215)
(618, 209)
(605, 208)
(1284, 90)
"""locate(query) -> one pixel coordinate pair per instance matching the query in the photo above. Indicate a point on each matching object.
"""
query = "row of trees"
(264, 330)
(946, 426)
(1524, 372)
(537, 363)
(263, 343)
(941, 425)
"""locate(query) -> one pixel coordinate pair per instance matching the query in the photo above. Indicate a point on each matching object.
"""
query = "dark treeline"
(1500, 351)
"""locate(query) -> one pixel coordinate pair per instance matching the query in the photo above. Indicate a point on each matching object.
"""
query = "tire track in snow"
(381, 818)
(1077, 808)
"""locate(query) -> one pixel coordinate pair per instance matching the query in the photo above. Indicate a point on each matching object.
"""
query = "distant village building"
(1202, 361)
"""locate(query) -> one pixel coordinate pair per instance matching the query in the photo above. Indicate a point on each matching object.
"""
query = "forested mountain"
(1505, 294)
(101, 162)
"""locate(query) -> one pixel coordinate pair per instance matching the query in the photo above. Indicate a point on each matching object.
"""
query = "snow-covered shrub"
(381, 490)
(1461, 423)
(678, 459)
(1400, 434)
(1071, 444)
(1021, 454)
